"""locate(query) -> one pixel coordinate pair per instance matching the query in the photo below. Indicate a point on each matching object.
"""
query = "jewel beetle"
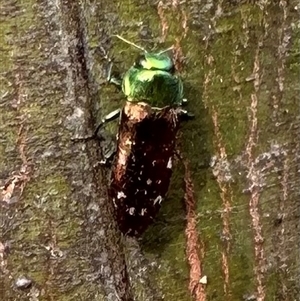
(148, 126)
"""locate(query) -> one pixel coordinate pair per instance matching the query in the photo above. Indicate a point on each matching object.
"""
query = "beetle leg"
(115, 79)
(184, 101)
(109, 117)
(109, 149)
(185, 115)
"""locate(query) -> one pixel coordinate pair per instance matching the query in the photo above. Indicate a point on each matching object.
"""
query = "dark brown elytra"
(143, 165)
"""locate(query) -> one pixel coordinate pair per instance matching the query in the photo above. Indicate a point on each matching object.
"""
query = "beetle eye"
(139, 61)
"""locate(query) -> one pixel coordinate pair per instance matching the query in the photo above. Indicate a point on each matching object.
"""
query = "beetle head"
(155, 61)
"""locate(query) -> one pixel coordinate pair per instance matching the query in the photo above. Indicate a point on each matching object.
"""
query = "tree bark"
(232, 212)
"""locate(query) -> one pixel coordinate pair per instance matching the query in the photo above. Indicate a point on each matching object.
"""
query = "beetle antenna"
(130, 43)
(166, 50)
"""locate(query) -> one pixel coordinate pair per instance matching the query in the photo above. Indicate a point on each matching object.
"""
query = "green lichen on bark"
(241, 77)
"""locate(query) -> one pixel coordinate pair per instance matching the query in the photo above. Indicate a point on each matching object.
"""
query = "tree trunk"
(229, 229)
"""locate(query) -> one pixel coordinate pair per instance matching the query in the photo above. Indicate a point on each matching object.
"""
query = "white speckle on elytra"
(149, 182)
(139, 178)
(158, 199)
(158, 182)
(145, 192)
(143, 211)
(121, 194)
(169, 165)
(128, 142)
(131, 210)
(141, 172)
(145, 154)
(153, 162)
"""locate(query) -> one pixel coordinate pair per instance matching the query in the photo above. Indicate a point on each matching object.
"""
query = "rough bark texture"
(239, 61)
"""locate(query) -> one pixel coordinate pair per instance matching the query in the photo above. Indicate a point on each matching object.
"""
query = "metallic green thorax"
(151, 79)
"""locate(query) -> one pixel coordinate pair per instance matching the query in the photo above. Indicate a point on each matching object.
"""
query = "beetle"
(148, 126)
